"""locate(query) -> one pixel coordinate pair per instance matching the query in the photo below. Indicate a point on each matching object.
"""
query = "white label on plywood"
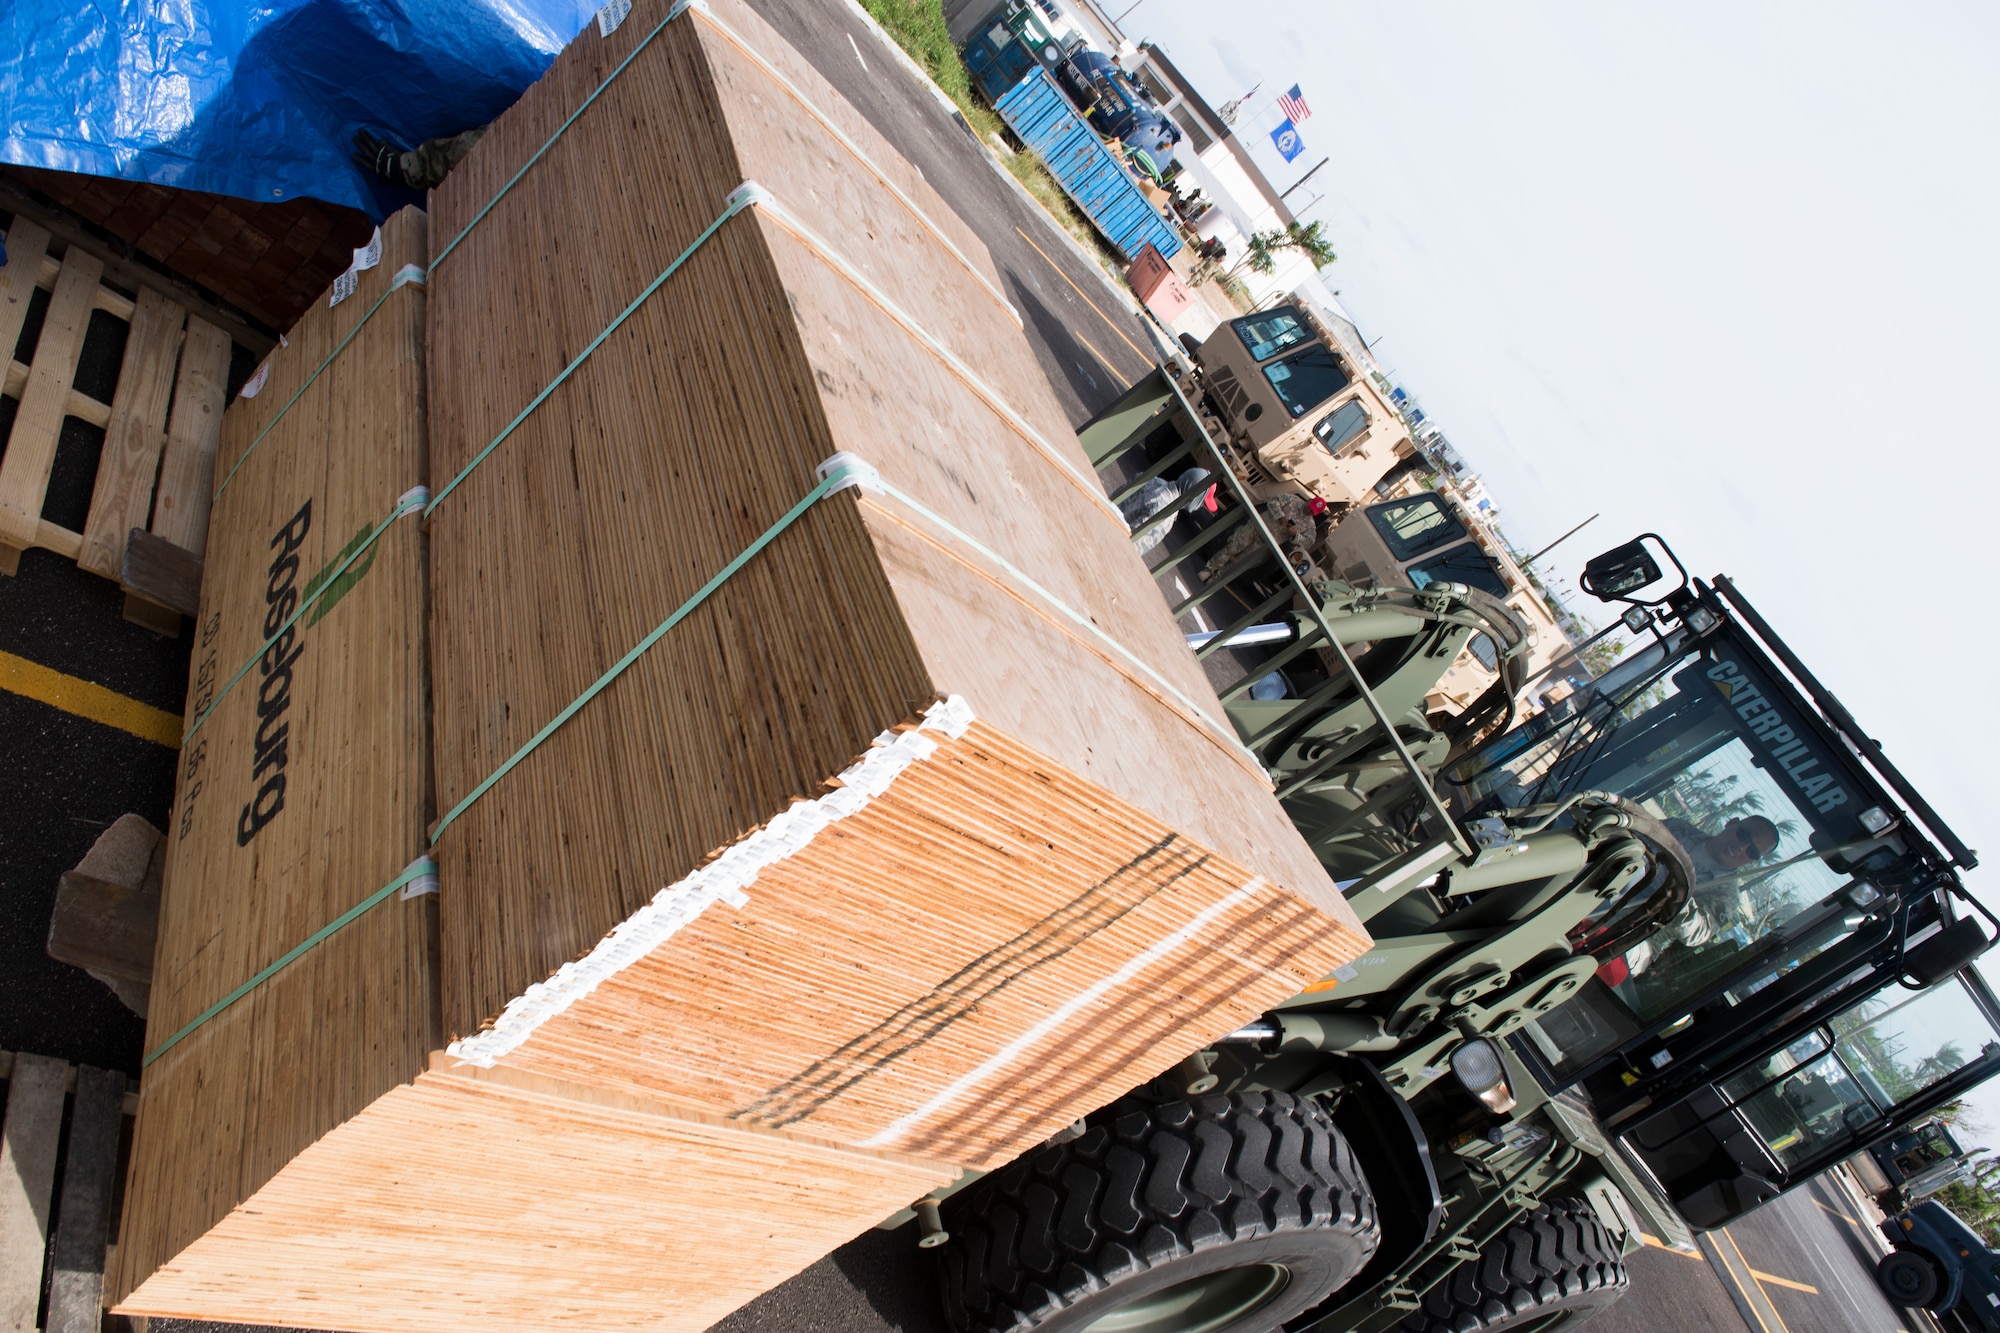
(367, 257)
(613, 14)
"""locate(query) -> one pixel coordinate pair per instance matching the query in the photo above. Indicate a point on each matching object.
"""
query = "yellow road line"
(1115, 372)
(31, 680)
(1762, 1297)
(1086, 300)
(1784, 1282)
(1836, 1212)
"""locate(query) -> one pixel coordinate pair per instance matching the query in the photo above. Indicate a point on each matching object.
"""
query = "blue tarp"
(261, 100)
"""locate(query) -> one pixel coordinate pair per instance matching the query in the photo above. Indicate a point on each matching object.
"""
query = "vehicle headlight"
(1476, 1064)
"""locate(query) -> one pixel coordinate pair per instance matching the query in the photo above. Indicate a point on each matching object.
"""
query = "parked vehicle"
(1905, 1169)
(1118, 106)
(1941, 1265)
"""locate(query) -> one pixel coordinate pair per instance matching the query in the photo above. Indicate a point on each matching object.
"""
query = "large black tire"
(1909, 1278)
(1225, 1214)
(1555, 1267)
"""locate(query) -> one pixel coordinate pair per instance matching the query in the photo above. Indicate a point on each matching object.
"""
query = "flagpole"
(1303, 179)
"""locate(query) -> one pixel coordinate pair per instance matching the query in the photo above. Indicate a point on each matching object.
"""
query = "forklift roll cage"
(1818, 968)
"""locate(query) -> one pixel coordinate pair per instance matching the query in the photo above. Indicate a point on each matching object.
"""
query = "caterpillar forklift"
(1638, 968)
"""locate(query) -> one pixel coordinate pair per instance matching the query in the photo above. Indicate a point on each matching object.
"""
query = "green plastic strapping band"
(742, 197)
(411, 502)
(417, 869)
(680, 7)
(406, 276)
(840, 471)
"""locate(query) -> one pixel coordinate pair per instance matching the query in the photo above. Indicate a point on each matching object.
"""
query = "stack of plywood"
(303, 1156)
(916, 838)
(1068, 874)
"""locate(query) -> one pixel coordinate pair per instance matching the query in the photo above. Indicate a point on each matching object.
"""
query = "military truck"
(1941, 1265)
(1637, 969)
(1295, 414)
(1905, 1169)
(1421, 538)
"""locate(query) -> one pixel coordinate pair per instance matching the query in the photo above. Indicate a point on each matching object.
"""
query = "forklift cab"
(1793, 981)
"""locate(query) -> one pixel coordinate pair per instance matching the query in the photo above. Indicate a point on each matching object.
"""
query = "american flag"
(1293, 104)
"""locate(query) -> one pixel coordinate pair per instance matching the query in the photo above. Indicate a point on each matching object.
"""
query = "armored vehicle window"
(1306, 380)
(1272, 332)
(1341, 425)
(1411, 527)
(1886, 1050)
(1465, 564)
(1482, 648)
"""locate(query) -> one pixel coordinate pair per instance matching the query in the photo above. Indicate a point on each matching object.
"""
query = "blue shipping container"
(1038, 113)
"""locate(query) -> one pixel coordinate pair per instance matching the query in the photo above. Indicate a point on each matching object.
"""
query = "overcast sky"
(1723, 272)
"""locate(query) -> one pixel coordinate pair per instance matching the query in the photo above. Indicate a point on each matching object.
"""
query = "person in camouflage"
(421, 168)
(1299, 523)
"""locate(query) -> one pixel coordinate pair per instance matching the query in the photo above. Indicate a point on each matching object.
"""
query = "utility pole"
(1303, 179)
(1559, 541)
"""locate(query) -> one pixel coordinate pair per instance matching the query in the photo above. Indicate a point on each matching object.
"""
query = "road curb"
(1090, 262)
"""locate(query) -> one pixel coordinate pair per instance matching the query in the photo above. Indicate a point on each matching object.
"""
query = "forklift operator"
(1743, 841)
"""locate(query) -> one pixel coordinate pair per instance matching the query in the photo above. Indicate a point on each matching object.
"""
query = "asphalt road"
(1803, 1263)
(1088, 341)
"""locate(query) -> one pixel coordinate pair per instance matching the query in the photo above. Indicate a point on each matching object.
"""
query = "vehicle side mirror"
(1623, 572)
(1946, 952)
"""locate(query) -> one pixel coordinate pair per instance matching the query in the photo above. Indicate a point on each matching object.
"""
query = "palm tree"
(1308, 238)
(1949, 1056)
(1261, 256)
(1311, 241)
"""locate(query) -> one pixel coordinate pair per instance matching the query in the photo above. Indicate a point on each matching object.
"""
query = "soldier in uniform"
(1299, 523)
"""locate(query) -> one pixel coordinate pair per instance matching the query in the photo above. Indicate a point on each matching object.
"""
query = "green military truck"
(1638, 968)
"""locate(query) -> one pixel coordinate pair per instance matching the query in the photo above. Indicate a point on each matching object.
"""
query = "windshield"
(1306, 379)
(1465, 564)
(1703, 741)
(1266, 335)
(1847, 1078)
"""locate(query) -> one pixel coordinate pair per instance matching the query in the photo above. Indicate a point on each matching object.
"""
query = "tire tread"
(1557, 1254)
(1146, 1186)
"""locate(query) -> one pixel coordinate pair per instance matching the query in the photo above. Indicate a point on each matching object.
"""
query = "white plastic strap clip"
(408, 274)
(412, 501)
(846, 469)
(425, 882)
(748, 195)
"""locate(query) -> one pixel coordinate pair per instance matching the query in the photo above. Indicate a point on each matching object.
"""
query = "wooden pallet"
(69, 1266)
(160, 427)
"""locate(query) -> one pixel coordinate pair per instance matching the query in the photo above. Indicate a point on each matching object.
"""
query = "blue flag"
(1286, 137)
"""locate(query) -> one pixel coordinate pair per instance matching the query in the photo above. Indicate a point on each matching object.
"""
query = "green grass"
(919, 28)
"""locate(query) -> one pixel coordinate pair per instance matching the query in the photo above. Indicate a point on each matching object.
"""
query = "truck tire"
(1555, 1267)
(1223, 1214)
(1909, 1278)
